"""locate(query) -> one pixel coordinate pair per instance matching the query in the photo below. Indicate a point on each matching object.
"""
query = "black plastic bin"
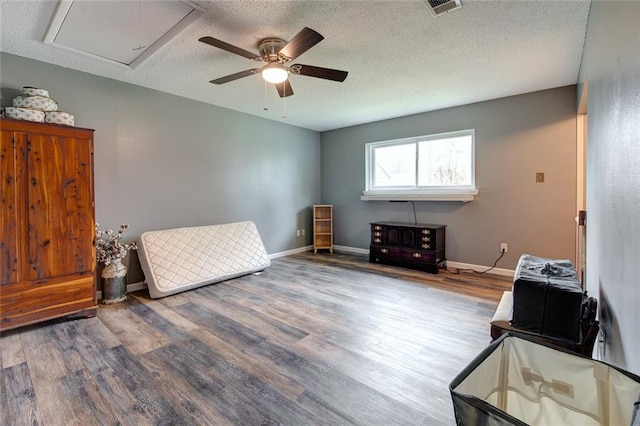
(547, 297)
(517, 381)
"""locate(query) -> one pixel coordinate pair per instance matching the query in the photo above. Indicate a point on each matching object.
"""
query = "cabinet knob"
(417, 255)
(384, 251)
(426, 231)
(377, 240)
(377, 228)
(426, 246)
(377, 234)
(426, 239)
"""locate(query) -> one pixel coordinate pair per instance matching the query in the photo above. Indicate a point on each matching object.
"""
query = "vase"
(114, 282)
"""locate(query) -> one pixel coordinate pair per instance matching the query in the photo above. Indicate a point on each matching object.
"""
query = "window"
(433, 167)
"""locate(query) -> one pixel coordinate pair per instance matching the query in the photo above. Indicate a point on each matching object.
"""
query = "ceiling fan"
(274, 53)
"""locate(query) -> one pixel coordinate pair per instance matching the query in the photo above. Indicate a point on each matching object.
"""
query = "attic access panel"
(114, 31)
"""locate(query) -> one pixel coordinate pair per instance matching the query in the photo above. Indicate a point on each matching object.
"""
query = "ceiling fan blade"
(284, 89)
(300, 43)
(235, 76)
(229, 47)
(318, 72)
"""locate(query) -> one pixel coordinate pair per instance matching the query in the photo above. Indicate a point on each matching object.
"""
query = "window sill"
(461, 195)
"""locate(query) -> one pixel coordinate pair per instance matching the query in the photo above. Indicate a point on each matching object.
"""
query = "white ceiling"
(400, 59)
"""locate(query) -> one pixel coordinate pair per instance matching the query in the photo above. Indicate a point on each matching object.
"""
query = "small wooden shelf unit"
(322, 227)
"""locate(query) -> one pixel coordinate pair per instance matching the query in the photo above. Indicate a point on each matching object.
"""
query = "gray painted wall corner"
(612, 72)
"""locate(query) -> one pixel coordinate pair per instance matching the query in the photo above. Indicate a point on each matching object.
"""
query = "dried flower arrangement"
(109, 245)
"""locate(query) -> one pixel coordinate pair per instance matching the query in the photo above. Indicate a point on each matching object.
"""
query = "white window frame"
(418, 193)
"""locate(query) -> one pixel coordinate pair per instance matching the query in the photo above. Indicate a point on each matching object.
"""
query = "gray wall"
(162, 161)
(611, 67)
(515, 138)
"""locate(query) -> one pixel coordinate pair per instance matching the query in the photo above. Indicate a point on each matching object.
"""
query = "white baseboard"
(290, 252)
(130, 287)
(453, 264)
(136, 286)
(494, 271)
(348, 249)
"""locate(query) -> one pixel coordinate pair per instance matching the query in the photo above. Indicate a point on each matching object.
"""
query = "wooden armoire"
(47, 223)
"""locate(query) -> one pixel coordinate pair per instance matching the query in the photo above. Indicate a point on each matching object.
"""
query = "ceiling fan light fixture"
(275, 73)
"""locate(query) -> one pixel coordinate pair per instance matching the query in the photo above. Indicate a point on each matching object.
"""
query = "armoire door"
(60, 220)
(8, 210)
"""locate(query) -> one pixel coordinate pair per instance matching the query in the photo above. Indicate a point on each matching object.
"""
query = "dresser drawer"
(386, 235)
(425, 246)
(377, 236)
(427, 231)
(418, 256)
(385, 251)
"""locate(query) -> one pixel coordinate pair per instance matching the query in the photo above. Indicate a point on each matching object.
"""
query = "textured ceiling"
(400, 59)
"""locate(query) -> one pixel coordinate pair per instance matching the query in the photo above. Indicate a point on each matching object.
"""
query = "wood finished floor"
(313, 340)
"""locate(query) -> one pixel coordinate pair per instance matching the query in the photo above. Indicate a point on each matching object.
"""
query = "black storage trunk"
(547, 297)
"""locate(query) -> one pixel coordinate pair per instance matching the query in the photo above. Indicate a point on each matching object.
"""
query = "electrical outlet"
(303, 232)
(297, 233)
(539, 177)
(503, 247)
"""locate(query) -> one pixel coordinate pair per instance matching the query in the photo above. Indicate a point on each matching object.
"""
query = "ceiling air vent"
(439, 7)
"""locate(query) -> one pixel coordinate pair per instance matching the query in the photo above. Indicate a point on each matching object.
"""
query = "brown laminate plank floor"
(313, 340)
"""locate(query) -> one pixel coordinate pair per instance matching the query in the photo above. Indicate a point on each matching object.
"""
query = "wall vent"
(439, 7)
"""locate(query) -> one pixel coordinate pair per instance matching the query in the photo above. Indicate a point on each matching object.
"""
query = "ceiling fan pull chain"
(265, 107)
(284, 104)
